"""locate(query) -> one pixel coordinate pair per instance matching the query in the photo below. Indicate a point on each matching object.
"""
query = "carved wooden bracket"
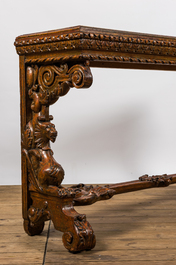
(45, 85)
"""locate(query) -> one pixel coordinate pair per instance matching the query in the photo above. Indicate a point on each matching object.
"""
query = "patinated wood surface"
(51, 63)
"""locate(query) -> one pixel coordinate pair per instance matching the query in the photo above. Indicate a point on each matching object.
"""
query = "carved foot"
(37, 217)
(33, 230)
(80, 237)
(78, 234)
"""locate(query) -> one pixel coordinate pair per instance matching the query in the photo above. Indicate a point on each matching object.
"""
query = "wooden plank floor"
(15, 246)
(137, 228)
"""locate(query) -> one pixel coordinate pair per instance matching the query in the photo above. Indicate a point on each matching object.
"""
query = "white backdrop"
(120, 128)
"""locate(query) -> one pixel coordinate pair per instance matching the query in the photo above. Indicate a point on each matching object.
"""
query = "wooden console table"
(50, 64)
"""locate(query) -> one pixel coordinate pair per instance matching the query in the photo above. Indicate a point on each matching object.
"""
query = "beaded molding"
(96, 42)
(94, 36)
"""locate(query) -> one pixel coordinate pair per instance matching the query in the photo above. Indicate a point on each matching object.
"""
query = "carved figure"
(47, 171)
(50, 173)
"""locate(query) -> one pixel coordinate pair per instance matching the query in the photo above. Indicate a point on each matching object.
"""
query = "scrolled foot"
(78, 234)
(81, 238)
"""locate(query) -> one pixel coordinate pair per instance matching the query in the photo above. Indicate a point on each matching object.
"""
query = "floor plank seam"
(46, 244)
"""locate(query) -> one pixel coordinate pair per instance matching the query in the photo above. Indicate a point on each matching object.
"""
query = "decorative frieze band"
(95, 36)
(93, 41)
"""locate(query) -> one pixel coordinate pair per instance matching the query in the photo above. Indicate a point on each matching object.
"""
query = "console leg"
(78, 233)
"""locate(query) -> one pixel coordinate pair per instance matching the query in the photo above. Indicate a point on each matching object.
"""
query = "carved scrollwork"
(47, 74)
(51, 82)
(86, 195)
(54, 81)
(67, 239)
(46, 84)
(81, 238)
(80, 76)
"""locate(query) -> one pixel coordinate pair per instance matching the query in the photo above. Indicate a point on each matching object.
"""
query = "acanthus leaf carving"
(159, 180)
(27, 138)
(86, 195)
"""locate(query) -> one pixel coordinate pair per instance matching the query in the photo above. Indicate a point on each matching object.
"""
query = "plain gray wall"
(120, 128)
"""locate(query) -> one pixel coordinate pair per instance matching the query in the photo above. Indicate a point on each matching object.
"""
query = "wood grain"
(15, 246)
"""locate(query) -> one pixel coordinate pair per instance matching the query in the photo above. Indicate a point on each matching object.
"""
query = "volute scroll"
(47, 83)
